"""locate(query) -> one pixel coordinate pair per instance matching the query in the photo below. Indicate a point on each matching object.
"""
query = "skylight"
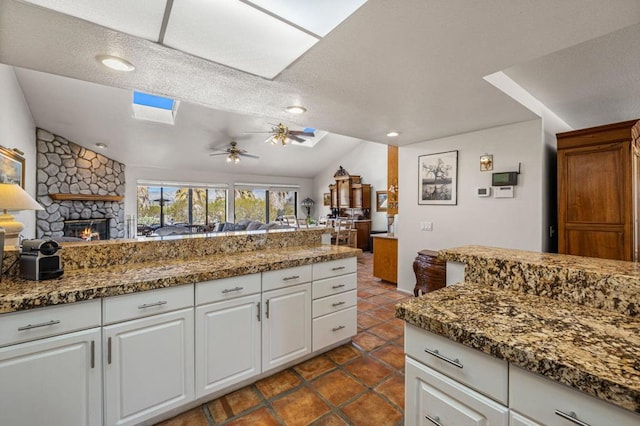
(154, 108)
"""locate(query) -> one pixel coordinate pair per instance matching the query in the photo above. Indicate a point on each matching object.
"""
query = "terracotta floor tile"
(396, 296)
(193, 417)
(364, 306)
(377, 289)
(343, 353)
(399, 342)
(387, 331)
(314, 367)
(337, 387)
(363, 293)
(367, 341)
(370, 409)
(392, 355)
(393, 389)
(330, 420)
(234, 403)
(278, 383)
(383, 313)
(365, 321)
(300, 407)
(398, 322)
(380, 299)
(368, 370)
(260, 417)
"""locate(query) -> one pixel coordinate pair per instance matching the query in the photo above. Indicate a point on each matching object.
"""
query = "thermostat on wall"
(483, 192)
(503, 192)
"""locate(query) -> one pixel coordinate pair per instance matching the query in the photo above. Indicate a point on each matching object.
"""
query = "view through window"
(264, 205)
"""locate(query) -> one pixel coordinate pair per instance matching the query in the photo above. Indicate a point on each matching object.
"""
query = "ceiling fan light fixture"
(393, 134)
(296, 109)
(116, 63)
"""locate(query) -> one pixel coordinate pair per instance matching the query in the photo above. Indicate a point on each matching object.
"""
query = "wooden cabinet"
(385, 257)
(430, 272)
(148, 361)
(361, 196)
(223, 359)
(50, 372)
(363, 228)
(597, 185)
(349, 192)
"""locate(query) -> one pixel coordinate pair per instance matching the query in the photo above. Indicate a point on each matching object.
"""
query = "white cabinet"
(228, 332)
(434, 399)
(516, 419)
(148, 361)
(56, 379)
(286, 327)
(554, 404)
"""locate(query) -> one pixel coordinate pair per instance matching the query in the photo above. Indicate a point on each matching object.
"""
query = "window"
(190, 209)
(262, 204)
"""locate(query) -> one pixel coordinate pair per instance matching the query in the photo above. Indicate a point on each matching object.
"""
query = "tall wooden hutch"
(348, 192)
(598, 191)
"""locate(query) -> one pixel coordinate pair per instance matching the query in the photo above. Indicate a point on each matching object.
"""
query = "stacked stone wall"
(64, 167)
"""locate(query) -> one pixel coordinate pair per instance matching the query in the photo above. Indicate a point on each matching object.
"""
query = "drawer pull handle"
(109, 350)
(436, 353)
(572, 417)
(149, 305)
(229, 290)
(435, 420)
(42, 324)
(293, 277)
(337, 304)
(258, 305)
(267, 310)
(93, 354)
(337, 286)
(340, 327)
(337, 268)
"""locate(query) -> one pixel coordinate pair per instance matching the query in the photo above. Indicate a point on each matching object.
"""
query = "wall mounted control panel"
(483, 192)
(504, 179)
(503, 192)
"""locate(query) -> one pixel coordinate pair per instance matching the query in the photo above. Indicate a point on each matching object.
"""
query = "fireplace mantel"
(85, 197)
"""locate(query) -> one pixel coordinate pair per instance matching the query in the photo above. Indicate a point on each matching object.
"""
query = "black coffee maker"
(40, 260)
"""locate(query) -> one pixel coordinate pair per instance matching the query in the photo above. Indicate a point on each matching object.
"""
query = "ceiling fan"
(281, 133)
(234, 153)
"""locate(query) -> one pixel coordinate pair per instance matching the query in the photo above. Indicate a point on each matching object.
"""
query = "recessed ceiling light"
(101, 145)
(393, 134)
(296, 109)
(116, 63)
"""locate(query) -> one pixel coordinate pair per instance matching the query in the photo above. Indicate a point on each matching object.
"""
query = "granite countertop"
(584, 346)
(90, 283)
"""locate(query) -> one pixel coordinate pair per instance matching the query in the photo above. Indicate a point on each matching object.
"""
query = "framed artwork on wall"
(326, 199)
(11, 167)
(381, 201)
(438, 178)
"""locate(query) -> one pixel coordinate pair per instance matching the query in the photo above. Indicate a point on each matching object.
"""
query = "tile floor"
(360, 383)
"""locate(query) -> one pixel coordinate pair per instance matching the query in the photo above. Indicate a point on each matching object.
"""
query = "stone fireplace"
(74, 183)
(88, 230)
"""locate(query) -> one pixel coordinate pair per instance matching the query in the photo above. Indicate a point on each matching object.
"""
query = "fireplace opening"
(87, 229)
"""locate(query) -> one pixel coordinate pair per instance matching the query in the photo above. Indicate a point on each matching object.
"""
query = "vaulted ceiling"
(414, 66)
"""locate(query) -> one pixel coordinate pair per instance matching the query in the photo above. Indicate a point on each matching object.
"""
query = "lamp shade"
(13, 197)
(307, 202)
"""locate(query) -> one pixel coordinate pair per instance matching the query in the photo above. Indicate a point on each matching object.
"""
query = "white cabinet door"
(228, 336)
(148, 366)
(53, 381)
(434, 399)
(286, 326)
(516, 419)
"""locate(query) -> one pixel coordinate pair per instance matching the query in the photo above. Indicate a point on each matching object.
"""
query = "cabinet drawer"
(334, 268)
(227, 288)
(334, 327)
(329, 304)
(38, 323)
(145, 303)
(330, 286)
(482, 372)
(544, 400)
(272, 280)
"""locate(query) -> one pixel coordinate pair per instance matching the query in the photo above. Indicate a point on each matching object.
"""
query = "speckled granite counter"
(184, 263)
(514, 306)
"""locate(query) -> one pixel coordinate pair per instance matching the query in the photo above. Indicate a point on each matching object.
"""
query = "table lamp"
(14, 198)
(307, 203)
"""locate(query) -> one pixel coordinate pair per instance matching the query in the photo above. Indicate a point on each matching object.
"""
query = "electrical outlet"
(426, 226)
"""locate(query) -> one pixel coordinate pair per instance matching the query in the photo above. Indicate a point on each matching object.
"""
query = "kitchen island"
(568, 319)
(137, 331)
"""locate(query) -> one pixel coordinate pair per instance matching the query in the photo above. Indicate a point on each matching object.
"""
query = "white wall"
(369, 161)
(133, 174)
(512, 223)
(18, 130)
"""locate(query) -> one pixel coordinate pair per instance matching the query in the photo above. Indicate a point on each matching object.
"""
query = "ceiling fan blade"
(301, 133)
(296, 138)
(247, 155)
(218, 153)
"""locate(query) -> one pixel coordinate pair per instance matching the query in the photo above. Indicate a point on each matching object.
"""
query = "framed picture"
(486, 163)
(11, 167)
(438, 178)
(381, 201)
(326, 198)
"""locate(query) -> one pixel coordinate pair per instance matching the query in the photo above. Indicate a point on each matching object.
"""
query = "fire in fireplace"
(87, 229)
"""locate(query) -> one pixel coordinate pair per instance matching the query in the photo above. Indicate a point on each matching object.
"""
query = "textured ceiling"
(415, 66)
